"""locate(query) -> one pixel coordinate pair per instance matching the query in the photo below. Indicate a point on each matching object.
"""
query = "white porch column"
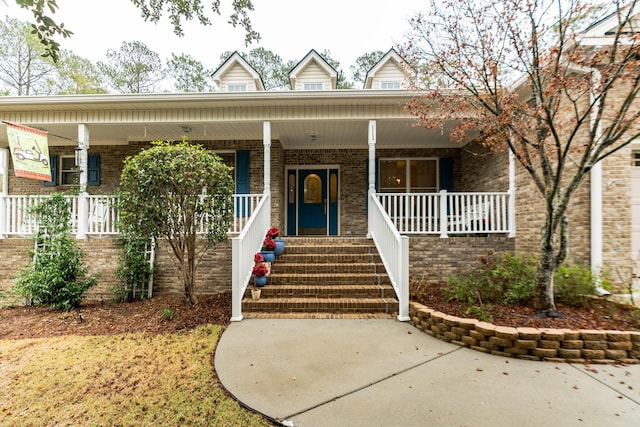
(266, 139)
(372, 167)
(372, 156)
(512, 195)
(81, 163)
(4, 171)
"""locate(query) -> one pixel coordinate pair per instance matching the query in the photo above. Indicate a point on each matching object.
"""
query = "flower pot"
(260, 280)
(279, 247)
(269, 256)
(255, 293)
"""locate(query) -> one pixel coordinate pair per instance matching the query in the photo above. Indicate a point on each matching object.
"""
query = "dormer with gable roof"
(237, 75)
(388, 73)
(313, 72)
(601, 32)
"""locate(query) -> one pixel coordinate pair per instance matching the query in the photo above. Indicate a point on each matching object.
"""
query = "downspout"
(596, 199)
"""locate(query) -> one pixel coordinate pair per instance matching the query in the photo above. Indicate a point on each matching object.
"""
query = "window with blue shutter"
(93, 169)
(242, 179)
(53, 166)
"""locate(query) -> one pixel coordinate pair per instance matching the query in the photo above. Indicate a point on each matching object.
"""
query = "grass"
(134, 379)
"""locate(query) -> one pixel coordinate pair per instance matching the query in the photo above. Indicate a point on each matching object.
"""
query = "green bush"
(573, 285)
(57, 276)
(503, 278)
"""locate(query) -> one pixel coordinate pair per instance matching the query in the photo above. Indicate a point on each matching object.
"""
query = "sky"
(289, 28)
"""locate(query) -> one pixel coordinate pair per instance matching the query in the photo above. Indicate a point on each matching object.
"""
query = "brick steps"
(325, 276)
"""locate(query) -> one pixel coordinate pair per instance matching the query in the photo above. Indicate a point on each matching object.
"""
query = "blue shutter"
(242, 179)
(93, 169)
(446, 173)
(242, 172)
(53, 166)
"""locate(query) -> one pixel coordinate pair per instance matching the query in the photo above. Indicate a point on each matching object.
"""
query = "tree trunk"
(544, 301)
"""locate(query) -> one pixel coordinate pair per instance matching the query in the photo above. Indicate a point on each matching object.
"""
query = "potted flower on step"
(268, 248)
(273, 233)
(260, 272)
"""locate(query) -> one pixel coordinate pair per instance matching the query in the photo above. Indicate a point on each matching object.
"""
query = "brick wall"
(101, 255)
(434, 259)
(483, 169)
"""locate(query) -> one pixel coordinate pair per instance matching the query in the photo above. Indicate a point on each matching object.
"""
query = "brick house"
(317, 163)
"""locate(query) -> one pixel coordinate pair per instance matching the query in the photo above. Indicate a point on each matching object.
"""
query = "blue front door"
(313, 207)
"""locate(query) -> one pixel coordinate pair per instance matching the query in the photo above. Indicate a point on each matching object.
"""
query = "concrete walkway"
(307, 372)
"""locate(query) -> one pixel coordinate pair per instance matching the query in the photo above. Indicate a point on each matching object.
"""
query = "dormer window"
(390, 84)
(313, 86)
(237, 87)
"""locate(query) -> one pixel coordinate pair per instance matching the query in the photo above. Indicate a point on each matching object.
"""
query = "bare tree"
(521, 73)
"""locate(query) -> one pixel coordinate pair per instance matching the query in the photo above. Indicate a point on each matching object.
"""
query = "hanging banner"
(29, 151)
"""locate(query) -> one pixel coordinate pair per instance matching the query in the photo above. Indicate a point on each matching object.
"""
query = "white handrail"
(446, 213)
(101, 213)
(394, 251)
(243, 249)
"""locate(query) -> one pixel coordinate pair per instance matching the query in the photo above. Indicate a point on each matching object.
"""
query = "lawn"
(164, 379)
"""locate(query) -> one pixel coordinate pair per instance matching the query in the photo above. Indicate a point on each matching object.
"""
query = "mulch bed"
(155, 315)
(598, 314)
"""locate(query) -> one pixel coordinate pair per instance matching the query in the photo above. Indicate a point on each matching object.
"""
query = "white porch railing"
(394, 251)
(446, 213)
(102, 214)
(243, 249)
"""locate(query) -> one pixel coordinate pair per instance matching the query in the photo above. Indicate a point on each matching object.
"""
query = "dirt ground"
(169, 314)
(155, 315)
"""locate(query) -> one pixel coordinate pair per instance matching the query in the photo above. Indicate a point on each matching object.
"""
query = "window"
(68, 170)
(635, 159)
(408, 175)
(313, 86)
(237, 87)
(392, 84)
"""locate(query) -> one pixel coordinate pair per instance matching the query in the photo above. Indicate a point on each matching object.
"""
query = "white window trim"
(237, 87)
(316, 85)
(392, 84)
(63, 171)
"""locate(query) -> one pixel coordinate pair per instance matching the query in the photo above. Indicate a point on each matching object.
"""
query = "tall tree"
(76, 75)
(364, 63)
(574, 104)
(188, 74)
(46, 28)
(134, 68)
(23, 70)
(164, 195)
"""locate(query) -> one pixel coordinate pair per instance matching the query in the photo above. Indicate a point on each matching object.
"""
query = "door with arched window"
(312, 202)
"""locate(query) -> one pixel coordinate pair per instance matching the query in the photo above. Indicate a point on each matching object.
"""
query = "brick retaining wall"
(550, 345)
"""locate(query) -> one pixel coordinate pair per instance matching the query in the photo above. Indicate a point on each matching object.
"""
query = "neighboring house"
(322, 162)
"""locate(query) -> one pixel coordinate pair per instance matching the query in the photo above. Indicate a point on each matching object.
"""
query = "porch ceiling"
(306, 134)
(333, 119)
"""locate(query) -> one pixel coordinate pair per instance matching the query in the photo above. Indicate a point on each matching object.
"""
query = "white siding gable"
(388, 73)
(313, 73)
(236, 75)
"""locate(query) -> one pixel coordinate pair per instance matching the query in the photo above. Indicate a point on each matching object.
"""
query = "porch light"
(313, 137)
(186, 128)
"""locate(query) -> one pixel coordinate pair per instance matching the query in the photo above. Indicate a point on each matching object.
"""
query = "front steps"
(325, 277)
